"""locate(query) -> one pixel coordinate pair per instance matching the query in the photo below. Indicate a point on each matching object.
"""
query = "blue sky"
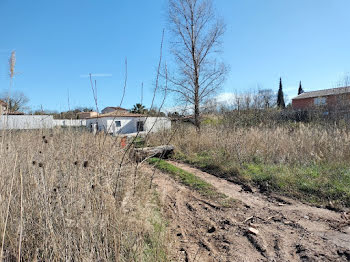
(58, 42)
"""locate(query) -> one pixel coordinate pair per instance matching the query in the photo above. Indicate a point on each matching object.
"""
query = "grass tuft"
(193, 182)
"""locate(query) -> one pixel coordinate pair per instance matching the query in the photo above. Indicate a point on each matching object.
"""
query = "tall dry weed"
(57, 200)
(294, 144)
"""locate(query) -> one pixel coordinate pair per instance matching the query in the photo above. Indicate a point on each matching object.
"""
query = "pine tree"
(300, 90)
(280, 96)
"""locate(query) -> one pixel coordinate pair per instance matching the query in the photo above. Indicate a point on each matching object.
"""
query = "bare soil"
(258, 228)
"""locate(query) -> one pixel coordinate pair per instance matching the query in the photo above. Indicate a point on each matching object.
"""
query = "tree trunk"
(159, 151)
(197, 121)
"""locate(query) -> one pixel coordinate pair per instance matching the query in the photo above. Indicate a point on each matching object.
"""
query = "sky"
(58, 43)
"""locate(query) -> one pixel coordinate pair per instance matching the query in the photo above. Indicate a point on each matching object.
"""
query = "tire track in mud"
(258, 228)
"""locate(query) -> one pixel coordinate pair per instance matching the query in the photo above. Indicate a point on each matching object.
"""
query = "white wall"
(129, 124)
(156, 124)
(69, 122)
(101, 122)
(26, 121)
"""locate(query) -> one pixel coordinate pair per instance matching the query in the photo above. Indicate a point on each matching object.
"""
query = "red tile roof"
(116, 108)
(118, 114)
(325, 92)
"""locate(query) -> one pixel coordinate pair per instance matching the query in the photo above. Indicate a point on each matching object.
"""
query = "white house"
(118, 122)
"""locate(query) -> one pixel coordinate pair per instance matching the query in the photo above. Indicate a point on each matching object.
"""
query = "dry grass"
(305, 161)
(293, 144)
(57, 201)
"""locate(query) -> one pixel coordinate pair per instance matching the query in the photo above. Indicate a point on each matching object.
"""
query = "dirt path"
(259, 228)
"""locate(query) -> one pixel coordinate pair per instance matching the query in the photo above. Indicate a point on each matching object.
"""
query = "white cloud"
(290, 92)
(96, 75)
(225, 98)
(180, 109)
(222, 98)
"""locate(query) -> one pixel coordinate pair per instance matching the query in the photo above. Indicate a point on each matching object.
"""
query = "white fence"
(69, 122)
(36, 122)
(26, 121)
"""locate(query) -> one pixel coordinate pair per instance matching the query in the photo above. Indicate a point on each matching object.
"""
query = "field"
(230, 191)
(64, 195)
(306, 161)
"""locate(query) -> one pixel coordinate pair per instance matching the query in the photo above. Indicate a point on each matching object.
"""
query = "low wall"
(69, 122)
(157, 124)
(26, 121)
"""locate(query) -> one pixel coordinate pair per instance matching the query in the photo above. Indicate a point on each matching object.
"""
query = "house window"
(320, 101)
(139, 126)
(118, 123)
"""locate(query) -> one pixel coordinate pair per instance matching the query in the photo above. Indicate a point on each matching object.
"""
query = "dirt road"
(258, 228)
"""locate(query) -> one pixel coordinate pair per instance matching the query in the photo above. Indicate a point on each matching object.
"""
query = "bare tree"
(196, 34)
(267, 98)
(16, 101)
(247, 100)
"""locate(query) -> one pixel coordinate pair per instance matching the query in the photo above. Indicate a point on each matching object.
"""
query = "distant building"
(85, 115)
(335, 98)
(123, 122)
(111, 109)
(3, 107)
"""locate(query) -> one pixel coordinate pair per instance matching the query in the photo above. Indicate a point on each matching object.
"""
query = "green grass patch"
(139, 142)
(315, 183)
(204, 161)
(192, 181)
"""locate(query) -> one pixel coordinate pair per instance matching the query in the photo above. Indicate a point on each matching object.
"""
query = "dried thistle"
(12, 63)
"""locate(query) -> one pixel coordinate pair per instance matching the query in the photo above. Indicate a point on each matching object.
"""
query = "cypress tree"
(300, 90)
(280, 96)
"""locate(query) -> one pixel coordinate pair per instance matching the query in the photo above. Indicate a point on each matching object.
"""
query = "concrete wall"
(26, 121)
(156, 124)
(69, 122)
(100, 122)
(129, 124)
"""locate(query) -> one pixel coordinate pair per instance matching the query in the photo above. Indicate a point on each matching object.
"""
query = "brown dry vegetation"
(57, 201)
(296, 144)
(302, 160)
